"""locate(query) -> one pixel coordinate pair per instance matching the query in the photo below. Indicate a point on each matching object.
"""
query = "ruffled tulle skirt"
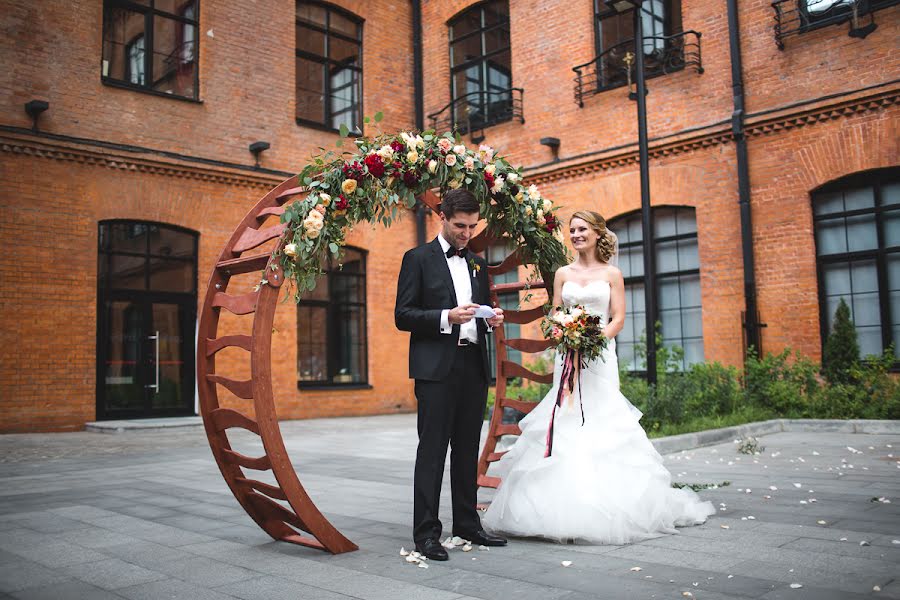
(604, 483)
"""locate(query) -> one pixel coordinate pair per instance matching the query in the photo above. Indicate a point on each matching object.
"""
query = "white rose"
(432, 166)
(490, 169)
(547, 205)
(291, 250)
(459, 149)
(386, 152)
(512, 177)
(533, 192)
(528, 210)
(498, 185)
(312, 233)
(450, 160)
(412, 156)
(420, 143)
(576, 312)
(470, 163)
(408, 139)
(325, 198)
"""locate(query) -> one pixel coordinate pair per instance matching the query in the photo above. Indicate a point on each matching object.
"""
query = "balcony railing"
(614, 67)
(477, 110)
(795, 17)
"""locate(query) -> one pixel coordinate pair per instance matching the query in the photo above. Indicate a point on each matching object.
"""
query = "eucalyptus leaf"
(379, 116)
(344, 130)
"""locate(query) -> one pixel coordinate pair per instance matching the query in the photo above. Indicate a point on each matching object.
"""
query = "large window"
(331, 326)
(857, 227)
(151, 45)
(677, 280)
(329, 66)
(481, 66)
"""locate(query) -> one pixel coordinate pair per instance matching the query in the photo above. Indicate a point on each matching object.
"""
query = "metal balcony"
(477, 110)
(614, 67)
(795, 17)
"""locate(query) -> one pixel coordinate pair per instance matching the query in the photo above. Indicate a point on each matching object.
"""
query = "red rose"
(397, 146)
(375, 166)
(398, 166)
(489, 178)
(353, 170)
(550, 223)
(341, 203)
(410, 178)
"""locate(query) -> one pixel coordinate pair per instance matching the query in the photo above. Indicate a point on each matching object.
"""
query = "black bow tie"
(451, 252)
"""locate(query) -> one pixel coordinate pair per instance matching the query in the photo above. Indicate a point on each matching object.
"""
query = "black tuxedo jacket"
(424, 289)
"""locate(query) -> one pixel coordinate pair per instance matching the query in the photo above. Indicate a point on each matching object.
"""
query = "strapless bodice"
(593, 296)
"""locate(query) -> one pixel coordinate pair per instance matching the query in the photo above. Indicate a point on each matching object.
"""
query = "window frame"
(835, 15)
(149, 12)
(661, 276)
(875, 179)
(482, 61)
(327, 63)
(332, 309)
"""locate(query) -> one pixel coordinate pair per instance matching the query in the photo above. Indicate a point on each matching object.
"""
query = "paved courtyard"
(146, 515)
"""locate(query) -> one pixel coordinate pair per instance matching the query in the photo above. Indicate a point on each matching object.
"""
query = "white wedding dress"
(604, 483)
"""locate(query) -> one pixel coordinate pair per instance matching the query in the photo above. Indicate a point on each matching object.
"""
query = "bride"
(604, 481)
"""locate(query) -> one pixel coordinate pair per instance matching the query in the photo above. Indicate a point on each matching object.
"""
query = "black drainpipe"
(419, 101)
(751, 317)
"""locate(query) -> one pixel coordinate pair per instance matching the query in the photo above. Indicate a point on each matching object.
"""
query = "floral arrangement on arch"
(385, 174)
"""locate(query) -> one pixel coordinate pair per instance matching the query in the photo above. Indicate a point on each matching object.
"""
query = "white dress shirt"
(462, 285)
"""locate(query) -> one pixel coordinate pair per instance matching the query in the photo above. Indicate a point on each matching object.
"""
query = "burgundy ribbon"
(570, 370)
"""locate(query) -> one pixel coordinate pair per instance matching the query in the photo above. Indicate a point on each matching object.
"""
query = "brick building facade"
(153, 105)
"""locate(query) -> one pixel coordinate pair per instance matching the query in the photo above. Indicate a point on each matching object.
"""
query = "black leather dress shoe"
(483, 538)
(431, 549)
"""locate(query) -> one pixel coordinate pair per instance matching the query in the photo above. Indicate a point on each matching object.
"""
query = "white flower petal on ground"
(467, 548)
(773, 488)
(687, 594)
(751, 517)
(731, 577)
(895, 542)
(566, 563)
(803, 502)
(484, 548)
(635, 569)
(798, 485)
(725, 526)
(412, 559)
(821, 522)
(876, 588)
(814, 453)
(796, 586)
(458, 541)
(864, 543)
(422, 565)
(403, 552)
(843, 539)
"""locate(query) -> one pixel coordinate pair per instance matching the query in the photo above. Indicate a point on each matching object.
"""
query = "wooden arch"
(285, 511)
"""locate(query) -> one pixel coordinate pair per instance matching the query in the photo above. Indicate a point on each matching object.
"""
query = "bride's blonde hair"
(606, 239)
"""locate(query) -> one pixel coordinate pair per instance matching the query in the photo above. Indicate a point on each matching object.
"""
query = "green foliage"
(841, 353)
(783, 383)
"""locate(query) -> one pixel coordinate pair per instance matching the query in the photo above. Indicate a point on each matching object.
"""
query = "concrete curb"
(698, 439)
(143, 424)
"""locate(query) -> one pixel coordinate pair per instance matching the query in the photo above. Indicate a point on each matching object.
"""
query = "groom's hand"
(497, 320)
(461, 314)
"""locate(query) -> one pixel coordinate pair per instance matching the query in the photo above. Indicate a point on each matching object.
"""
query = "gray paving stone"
(20, 574)
(146, 554)
(481, 585)
(206, 572)
(277, 588)
(72, 590)
(171, 589)
(112, 573)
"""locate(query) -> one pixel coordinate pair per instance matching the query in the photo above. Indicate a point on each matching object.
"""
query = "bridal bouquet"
(579, 338)
(576, 330)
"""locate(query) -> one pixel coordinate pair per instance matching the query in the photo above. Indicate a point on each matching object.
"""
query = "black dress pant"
(451, 412)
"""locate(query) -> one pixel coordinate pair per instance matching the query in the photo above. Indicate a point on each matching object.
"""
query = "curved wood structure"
(284, 511)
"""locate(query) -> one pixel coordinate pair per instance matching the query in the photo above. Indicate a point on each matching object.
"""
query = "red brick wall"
(822, 108)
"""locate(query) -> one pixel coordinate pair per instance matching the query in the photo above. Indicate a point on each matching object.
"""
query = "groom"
(440, 286)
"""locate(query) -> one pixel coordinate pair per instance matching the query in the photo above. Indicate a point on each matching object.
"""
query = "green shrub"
(782, 383)
(841, 353)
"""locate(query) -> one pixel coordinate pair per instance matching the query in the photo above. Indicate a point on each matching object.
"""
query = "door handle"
(155, 386)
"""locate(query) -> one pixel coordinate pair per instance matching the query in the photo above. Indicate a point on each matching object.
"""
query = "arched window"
(857, 228)
(331, 326)
(481, 65)
(329, 66)
(677, 280)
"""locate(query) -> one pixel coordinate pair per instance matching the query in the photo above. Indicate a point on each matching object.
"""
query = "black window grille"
(481, 66)
(857, 229)
(677, 281)
(151, 45)
(331, 326)
(137, 255)
(328, 66)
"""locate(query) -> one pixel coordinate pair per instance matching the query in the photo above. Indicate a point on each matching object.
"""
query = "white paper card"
(485, 312)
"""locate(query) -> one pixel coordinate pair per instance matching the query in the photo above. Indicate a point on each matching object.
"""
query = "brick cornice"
(14, 143)
(770, 123)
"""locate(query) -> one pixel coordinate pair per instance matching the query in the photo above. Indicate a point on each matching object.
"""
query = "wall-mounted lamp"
(553, 144)
(258, 148)
(34, 108)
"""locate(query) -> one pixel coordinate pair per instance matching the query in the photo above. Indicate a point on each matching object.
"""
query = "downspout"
(419, 102)
(751, 318)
